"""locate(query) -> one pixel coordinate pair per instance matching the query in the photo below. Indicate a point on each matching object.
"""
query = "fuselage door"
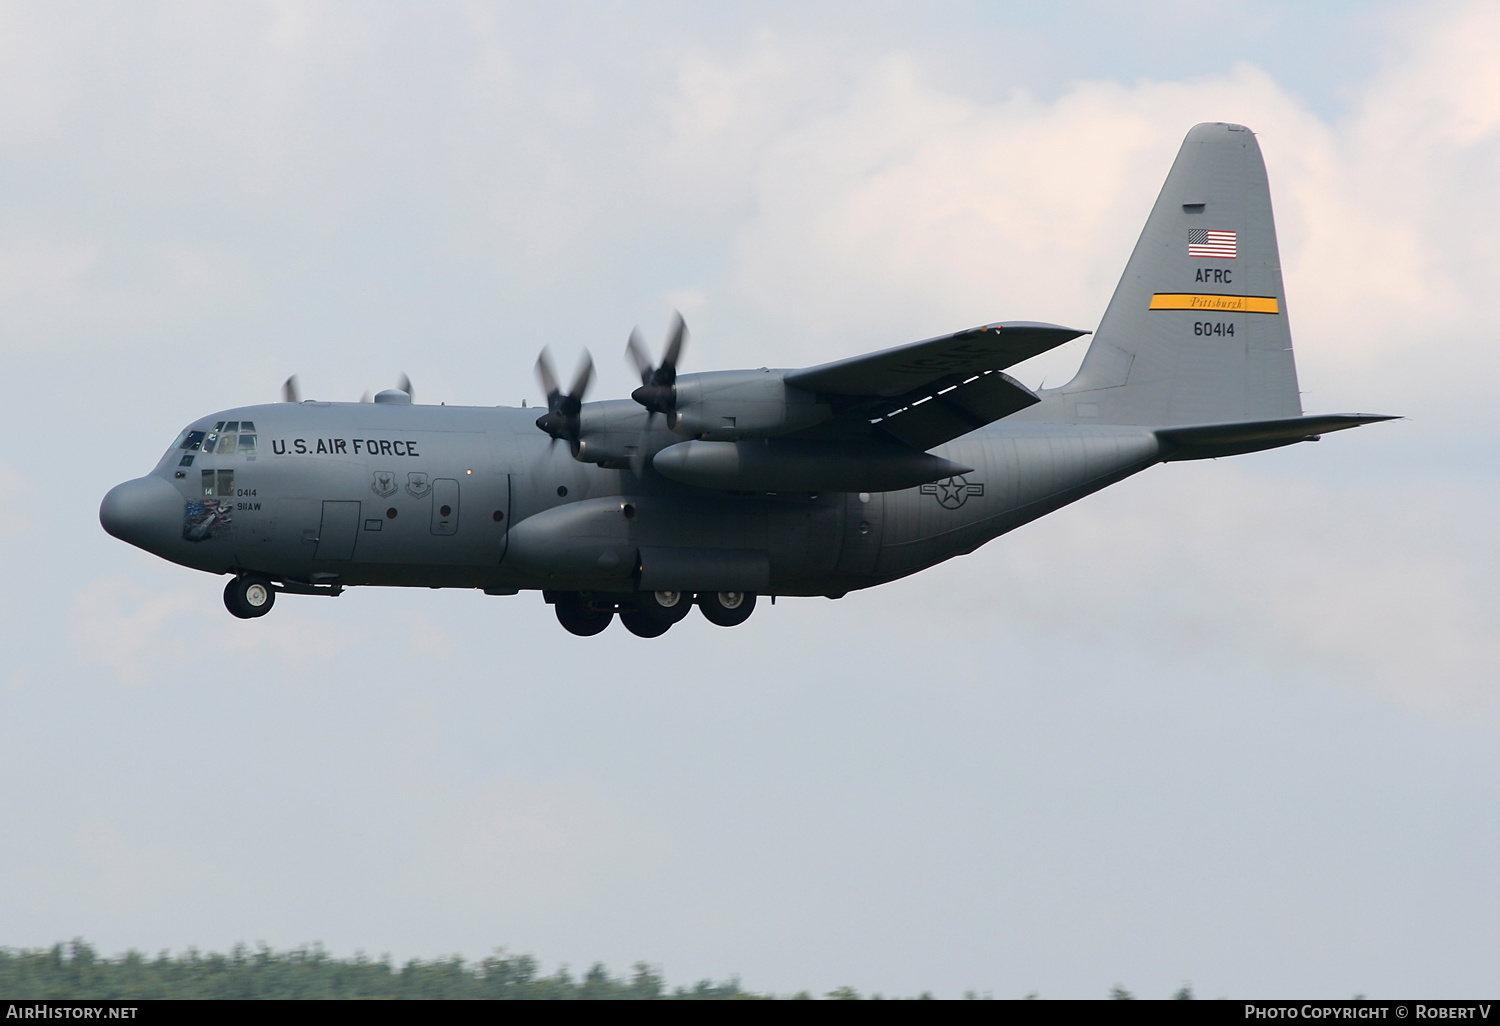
(444, 506)
(338, 530)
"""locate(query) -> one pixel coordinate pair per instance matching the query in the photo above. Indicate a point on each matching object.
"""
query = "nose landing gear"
(249, 596)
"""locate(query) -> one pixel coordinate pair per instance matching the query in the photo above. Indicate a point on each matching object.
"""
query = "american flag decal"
(1205, 242)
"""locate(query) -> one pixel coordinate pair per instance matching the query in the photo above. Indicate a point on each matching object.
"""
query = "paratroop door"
(338, 530)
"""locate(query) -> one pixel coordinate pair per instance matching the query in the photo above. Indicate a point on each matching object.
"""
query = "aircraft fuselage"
(345, 494)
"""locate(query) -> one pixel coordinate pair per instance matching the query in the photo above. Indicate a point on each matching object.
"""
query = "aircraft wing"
(926, 393)
(903, 369)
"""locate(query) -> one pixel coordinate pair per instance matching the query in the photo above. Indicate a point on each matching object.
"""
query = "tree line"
(76, 971)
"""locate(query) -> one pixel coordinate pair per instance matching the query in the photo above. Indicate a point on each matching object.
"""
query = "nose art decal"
(206, 519)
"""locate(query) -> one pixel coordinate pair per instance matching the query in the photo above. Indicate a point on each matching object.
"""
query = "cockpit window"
(192, 441)
(228, 438)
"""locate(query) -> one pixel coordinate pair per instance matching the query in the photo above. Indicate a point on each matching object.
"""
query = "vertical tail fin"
(1197, 330)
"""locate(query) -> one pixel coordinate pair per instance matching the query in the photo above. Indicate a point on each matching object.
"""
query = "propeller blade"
(367, 397)
(674, 348)
(635, 350)
(291, 391)
(638, 458)
(404, 383)
(582, 377)
(546, 375)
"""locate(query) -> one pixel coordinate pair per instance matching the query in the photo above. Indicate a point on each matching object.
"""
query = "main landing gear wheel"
(727, 608)
(575, 614)
(248, 597)
(655, 612)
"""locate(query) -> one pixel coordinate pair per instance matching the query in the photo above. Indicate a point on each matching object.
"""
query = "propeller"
(562, 417)
(291, 392)
(658, 391)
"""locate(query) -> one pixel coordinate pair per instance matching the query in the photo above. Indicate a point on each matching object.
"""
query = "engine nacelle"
(611, 432)
(796, 465)
(727, 406)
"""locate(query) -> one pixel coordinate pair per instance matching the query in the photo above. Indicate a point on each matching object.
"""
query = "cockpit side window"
(218, 483)
(192, 441)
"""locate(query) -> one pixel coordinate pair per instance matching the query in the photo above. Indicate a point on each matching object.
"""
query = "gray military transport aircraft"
(712, 489)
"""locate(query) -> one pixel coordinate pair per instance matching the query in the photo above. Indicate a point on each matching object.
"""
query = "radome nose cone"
(142, 511)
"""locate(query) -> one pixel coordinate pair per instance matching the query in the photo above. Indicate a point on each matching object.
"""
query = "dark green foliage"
(75, 971)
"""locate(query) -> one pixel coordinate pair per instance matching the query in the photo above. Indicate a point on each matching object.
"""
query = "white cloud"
(1364, 584)
(906, 210)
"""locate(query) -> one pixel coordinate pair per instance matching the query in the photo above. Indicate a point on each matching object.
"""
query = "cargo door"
(338, 530)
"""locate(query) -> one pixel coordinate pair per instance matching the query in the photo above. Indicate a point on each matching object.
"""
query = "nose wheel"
(249, 596)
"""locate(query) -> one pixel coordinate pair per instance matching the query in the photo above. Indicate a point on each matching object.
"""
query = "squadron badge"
(417, 485)
(383, 483)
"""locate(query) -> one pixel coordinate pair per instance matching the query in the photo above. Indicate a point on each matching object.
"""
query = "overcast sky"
(1235, 723)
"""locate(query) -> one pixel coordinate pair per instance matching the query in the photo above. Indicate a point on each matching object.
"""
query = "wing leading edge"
(895, 372)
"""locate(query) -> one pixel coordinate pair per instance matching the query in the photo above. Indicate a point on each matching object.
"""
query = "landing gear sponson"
(650, 614)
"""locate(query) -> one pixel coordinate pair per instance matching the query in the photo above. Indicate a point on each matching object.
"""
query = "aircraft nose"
(142, 512)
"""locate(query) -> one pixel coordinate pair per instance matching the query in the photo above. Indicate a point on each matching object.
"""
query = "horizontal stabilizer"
(1207, 441)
